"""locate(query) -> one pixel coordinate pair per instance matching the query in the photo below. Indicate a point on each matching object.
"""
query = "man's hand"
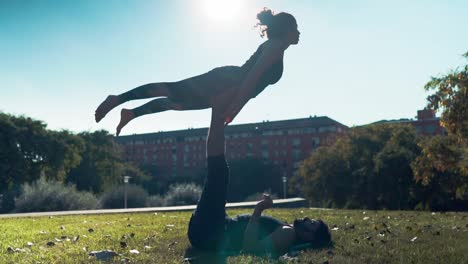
(232, 112)
(265, 203)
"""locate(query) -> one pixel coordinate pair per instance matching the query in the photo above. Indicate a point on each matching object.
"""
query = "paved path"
(279, 203)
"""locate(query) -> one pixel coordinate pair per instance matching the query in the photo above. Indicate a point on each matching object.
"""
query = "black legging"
(207, 224)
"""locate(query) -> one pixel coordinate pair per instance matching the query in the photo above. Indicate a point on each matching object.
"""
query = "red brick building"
(283, 143)
(426, 123)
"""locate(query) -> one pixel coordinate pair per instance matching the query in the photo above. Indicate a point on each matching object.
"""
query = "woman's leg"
(154, 106)
(142, 92)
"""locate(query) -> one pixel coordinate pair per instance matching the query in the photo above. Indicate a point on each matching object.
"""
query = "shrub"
(7, 199)
(155, 201)
(43, 195)
(114, 197)
(258, 197)
(183, 194)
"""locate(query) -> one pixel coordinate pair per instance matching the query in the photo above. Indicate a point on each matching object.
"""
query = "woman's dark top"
(270, 76)
(235, 229)
(194, 93)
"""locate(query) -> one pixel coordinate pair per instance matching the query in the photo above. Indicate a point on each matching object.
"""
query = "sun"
(222, 10)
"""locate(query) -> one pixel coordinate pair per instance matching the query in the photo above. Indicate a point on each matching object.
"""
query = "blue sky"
(357, 62)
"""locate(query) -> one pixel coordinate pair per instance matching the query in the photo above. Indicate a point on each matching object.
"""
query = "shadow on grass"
(193, 255)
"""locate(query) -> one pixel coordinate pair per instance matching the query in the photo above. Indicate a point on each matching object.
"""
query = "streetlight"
(125, 178)
(285, 179)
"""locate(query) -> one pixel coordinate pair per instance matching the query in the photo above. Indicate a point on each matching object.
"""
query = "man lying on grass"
(211, 229)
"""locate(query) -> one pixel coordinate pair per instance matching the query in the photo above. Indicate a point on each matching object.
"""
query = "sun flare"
(222, 10)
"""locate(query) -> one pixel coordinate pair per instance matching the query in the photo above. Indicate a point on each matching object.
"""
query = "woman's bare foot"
(126, 116)
(104, 108)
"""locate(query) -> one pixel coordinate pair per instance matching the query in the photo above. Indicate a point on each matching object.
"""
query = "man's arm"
(251, 241)
(278, 241)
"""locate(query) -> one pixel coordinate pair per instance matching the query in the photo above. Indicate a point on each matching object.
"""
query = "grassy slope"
(385, 237)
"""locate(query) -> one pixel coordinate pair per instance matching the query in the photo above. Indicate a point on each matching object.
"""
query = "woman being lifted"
(236, 84)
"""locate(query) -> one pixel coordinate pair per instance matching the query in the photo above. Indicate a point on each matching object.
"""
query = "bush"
(42, 196)
(183, 194)
(114, 197)
(7, 199)
(155, 201)
(258, 196)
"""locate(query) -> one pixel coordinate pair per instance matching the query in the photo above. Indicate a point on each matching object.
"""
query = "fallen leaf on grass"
(62, 227)
(134, 251)
(365, 218)
(335, 229)
(30, 244)
(103, 255)
(414, 239)
(43, 232)
(169, 225)
(16, 250)
(172, 243)
(147, 247)
(285, 257)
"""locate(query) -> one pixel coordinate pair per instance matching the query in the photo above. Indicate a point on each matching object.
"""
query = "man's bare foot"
(126, 116)
(104, 108)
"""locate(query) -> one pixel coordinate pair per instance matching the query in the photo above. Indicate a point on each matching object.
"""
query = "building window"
(249, 146)
(296, 142)
(430, 129)
(315, 141)
(296, 154)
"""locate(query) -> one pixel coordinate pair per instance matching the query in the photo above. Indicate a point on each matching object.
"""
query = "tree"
(28, 149)
(443, 164)
(369, 167)
(101, 165)
(451, 98)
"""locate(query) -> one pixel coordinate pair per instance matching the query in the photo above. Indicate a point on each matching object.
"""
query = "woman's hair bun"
(265, 17)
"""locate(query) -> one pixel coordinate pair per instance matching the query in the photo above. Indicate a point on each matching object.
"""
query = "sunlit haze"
(357, 61)
(222, 10)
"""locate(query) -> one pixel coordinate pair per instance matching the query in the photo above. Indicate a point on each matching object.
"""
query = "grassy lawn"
(359, 236)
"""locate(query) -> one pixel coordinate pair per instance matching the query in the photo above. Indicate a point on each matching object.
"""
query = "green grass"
(359, 237)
